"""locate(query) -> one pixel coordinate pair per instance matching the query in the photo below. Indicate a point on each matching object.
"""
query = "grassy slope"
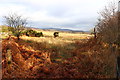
(62, 45)
(65, 46)
(89, 58)
(64, 37)
(4, 31)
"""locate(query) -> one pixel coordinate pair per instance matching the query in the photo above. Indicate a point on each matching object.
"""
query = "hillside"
(71, 55)
(63, 36)
(3, 32)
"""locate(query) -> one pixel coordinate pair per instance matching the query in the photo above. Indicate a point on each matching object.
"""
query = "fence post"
(118, 67)
(118, 57)
(94, 33)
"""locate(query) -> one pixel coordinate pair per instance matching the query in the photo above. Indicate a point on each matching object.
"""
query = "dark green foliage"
(11, 29)
(30, 33)
(26, 34)
(40, 34)
(9, 62)
(17, 34)
(56, 34)
(33, 33)
(28, 41)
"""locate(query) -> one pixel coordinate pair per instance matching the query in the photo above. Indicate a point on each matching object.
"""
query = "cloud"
(79, 14)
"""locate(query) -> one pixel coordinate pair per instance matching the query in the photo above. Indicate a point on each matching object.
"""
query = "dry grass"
(72, 55)
(61, 47)
(88, 59)
(64, 37)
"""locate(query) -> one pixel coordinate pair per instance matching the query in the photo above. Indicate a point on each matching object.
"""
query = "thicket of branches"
(16, 24)
(107, 25)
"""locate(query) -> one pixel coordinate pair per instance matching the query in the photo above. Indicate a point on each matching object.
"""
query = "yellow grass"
(64, 37)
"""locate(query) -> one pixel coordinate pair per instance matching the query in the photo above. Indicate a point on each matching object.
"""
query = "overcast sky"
(68, 14)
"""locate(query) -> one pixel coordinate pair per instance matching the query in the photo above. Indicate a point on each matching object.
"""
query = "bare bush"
(56, 34)
(16, 22)
(107, 25)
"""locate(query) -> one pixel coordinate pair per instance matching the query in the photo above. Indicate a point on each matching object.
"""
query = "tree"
(16, 24)
(107, 25)
(109, 30)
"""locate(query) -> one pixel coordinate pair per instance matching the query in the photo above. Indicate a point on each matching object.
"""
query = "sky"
(66, 14)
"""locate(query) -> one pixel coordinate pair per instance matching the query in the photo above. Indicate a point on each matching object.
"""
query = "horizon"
(61, 29)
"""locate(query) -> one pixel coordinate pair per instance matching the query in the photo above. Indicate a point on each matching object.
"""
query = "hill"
(61, 29)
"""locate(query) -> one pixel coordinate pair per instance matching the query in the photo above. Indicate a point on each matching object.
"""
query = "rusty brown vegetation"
(87, 61)
(65, 56)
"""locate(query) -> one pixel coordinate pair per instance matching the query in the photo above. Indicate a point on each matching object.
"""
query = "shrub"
(40, 34)
(30, 33)
(33, 33)
(26, 34)
(17, 22)
(108, 25)
(56, 34)
(11, 29)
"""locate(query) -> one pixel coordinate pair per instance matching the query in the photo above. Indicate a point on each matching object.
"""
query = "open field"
(60, 39)
(71, 55)
(64, 37)
(61, 46)
(4, 32)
